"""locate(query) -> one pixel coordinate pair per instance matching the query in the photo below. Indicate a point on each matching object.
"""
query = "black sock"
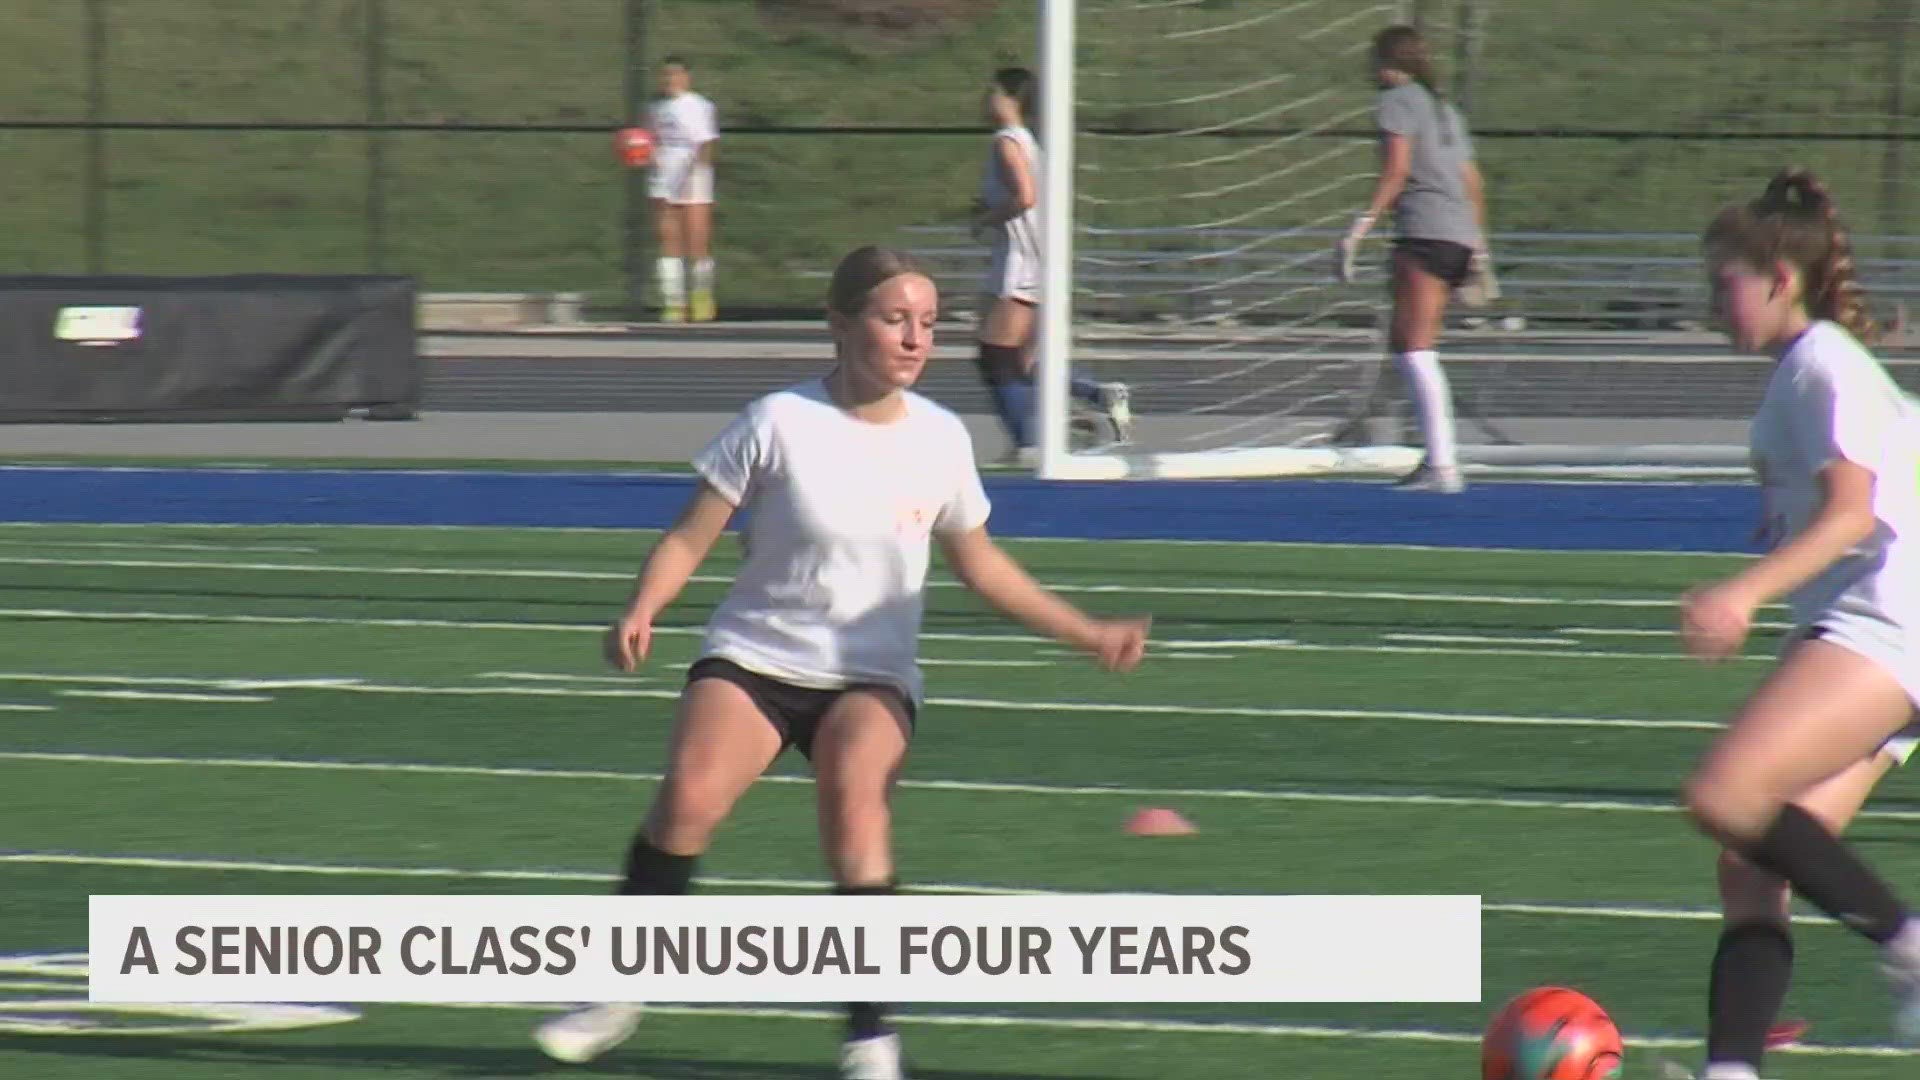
(1827, 874)
(866, 1019)
(652, 872)
(1751, 970)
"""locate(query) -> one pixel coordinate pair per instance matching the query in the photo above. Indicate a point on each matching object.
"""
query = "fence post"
(1468, 30)
(375, 56)
(1900, 17)
(94, 214)
(638, 225)
(1419, 14)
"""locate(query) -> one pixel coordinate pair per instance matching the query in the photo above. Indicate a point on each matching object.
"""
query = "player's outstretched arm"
(672, 561)
(992, 574)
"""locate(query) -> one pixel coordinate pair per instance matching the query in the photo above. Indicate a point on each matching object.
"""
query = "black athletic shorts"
(796, 711)
(1444, 259)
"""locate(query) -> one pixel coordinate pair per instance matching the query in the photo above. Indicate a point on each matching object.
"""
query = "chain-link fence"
(468, 142)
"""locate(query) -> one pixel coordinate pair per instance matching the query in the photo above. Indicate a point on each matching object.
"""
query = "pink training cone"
(1159, 821)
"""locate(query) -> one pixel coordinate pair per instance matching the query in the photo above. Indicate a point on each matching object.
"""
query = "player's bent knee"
(1727, 810)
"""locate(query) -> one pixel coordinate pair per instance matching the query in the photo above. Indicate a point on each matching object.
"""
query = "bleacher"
(1627, 281)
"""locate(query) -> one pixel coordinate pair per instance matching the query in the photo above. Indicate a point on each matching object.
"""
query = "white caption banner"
(764, 949)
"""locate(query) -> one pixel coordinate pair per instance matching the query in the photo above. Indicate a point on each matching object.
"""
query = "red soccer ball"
(1551, 1033)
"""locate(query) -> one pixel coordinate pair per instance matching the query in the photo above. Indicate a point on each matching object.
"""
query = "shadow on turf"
(473, 1061)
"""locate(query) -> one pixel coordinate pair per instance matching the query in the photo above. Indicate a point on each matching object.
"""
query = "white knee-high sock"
(671, 273)
(703, 275)
(1433, 399)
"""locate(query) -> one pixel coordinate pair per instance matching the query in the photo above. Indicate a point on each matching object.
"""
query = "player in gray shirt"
(1429, 180)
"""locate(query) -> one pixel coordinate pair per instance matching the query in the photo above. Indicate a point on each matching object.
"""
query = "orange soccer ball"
(1551, 1033)
(634, 146)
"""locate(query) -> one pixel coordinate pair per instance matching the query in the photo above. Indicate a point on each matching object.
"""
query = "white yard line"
(994, 704)
(162, 695)
(1653, 913)
(508, 573)
(981, 787)
(1204, 644)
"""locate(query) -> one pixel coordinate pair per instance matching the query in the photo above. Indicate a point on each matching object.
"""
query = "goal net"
(1213, 152)
(1205, 155)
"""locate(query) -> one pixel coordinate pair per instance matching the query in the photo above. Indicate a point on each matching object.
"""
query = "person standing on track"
(1836, 448)
(1429, 180)
(846, 480)
(1006, 218)
(686, 130)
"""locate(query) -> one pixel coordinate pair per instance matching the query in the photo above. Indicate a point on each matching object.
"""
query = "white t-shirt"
(681, 124)
(840, 517)
(1830, 399)
(1021, 232)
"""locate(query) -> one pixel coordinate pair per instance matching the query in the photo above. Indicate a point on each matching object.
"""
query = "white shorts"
(682, 185)
(1886, 644)
(1013, 272)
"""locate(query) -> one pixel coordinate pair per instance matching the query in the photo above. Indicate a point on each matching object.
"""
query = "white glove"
(1482, 287)
(1346, 252)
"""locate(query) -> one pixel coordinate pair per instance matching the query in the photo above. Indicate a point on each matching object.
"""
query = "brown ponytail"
(1402, 49)
(1795, 220)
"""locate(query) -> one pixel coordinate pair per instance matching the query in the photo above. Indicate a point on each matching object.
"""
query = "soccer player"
(1836, 448)
(846, 480)
(685, 129)
(1429, 179)
(1007, 219)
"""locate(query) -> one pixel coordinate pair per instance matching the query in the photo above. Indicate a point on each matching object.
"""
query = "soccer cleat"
(1428, 478)
(703, 309)
(585, 1034)
(673, 313)
(877, 1058)
(1904, 977)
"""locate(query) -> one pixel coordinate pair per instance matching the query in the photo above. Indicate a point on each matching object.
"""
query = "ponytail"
(1795, 220)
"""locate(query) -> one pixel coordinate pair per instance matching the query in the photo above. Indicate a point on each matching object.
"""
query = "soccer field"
(315, 709)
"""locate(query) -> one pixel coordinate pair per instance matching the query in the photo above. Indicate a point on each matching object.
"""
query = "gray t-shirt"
(1434, 204)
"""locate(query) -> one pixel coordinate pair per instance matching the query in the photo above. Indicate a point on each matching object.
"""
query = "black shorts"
(796, 711)
(1444, 259)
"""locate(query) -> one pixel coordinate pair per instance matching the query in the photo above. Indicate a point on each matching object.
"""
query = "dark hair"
(1023, 87)
(674, 60)
(1795, 221)
(863, 270)
(1403, 49)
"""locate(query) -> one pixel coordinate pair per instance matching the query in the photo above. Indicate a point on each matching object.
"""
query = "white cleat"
(1428, 478)
(1906, 1010)
(585, 1034)
(877, 1058)
(1900, 962)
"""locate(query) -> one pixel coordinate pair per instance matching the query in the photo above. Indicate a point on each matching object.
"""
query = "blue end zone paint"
(1596, 517)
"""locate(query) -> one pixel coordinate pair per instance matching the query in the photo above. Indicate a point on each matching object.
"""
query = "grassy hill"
(518, 210)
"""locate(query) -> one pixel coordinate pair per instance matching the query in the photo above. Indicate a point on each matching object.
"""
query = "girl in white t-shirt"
(1836, 447)
(686, 131)
(1007, 218)
(848, 479)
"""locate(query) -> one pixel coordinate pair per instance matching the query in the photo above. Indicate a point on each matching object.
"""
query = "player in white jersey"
(1006, 217)
(686, 130)
(1836, 448)
(846, 480)
(1429, 180)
